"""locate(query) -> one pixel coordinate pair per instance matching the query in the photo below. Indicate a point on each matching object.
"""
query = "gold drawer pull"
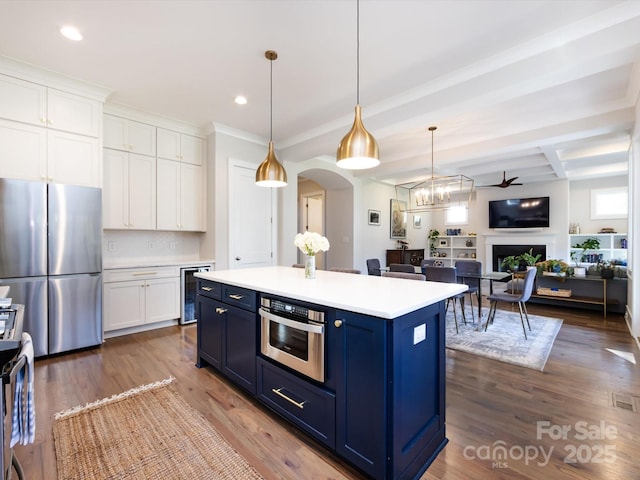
(220, 311)
(278, 392)
(207, 289)
(235, 296)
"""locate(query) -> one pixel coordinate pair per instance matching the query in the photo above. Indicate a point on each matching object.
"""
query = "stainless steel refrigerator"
(51, 258)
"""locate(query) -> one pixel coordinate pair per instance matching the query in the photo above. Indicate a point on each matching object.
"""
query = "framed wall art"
(417, 221)
(398, 218)
(374, 217)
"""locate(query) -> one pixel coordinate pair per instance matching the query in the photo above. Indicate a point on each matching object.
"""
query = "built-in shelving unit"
(611, 247)
(455, 247)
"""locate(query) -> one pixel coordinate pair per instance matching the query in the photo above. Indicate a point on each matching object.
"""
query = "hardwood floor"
(489, 404)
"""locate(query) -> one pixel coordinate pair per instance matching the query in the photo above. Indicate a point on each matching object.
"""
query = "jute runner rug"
(146, 433)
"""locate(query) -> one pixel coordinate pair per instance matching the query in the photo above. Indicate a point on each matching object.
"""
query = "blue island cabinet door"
(210, 332)
(359, 355)
(240, 347)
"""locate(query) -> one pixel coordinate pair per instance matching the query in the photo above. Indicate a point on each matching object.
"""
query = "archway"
(336, 216)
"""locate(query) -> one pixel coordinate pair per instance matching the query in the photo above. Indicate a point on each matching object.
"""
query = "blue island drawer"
(240, 297)
(210, 289)
(311, 408)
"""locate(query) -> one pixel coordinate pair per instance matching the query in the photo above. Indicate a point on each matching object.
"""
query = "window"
(458, 215)
(609, 203)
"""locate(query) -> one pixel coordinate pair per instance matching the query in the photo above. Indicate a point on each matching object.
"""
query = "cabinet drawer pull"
(139, 274)
(235, 296)
(207, 289)
(278, 392)
(220, 311)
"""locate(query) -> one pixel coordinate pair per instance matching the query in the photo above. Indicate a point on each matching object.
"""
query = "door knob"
(338, 323)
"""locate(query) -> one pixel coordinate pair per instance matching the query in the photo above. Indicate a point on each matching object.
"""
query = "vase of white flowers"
(310, 243)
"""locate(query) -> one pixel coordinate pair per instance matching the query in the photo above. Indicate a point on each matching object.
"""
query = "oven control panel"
(290, 310)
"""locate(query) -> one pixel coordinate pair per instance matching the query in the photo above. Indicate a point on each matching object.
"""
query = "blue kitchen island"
(379, 402)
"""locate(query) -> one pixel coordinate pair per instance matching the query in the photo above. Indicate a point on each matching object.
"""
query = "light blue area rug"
(504, 339)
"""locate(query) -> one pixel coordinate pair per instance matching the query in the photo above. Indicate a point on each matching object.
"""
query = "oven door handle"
(292, 323)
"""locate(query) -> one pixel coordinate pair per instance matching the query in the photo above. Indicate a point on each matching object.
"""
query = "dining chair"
(448, 275)
(373, 266)
(520, 298)
(408, 276)
(345, 270)
(471, 268)
(402, 267)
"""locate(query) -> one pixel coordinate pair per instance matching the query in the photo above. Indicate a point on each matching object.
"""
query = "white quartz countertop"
(383, 297)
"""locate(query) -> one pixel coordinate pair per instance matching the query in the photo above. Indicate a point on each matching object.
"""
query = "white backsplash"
(124, 247)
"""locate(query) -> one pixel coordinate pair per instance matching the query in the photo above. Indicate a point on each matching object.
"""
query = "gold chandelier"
(436, 192)
(358, 149)
(271, 173)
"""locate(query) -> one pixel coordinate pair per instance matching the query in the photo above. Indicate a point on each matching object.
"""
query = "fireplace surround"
(500, 252)
(523, 242)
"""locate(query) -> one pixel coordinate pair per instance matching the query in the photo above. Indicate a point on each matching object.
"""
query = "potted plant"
(606, 269)
(512, 262)
(433, 236)
(588, 244)
(530, 259)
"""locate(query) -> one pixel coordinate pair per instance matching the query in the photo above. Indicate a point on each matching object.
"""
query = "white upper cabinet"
(129, 193)
(72, 113)
(129, 135)
(29, 102)
(181, 147)
(49, 135)
(23, 151)
(73, 159)
(23, 101)
(180, 196)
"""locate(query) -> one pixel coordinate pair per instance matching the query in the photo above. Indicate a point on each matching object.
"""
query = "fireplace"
(500, 252)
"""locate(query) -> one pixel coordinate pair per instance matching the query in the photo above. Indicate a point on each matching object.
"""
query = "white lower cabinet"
(140, 296)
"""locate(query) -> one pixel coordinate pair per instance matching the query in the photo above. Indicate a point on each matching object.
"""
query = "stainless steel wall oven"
(293, 335)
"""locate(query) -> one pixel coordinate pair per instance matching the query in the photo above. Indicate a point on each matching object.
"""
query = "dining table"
(491, 276)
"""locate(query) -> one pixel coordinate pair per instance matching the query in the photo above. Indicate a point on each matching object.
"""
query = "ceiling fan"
(505, 182)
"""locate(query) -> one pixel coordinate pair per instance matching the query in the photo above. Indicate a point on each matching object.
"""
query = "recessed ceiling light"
(71, 33)
(240, 100)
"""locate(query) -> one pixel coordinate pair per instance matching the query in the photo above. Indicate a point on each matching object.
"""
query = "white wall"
(580, 204)
(126, 248)
(633, 316)
(225, 146)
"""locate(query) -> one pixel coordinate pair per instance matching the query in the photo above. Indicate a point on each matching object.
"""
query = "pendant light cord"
(357, 52)
(271, 102)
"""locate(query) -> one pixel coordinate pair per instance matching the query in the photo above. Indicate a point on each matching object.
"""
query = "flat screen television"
(519, 213)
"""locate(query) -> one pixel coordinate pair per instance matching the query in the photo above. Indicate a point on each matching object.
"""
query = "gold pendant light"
(358, 149)
(271, 173)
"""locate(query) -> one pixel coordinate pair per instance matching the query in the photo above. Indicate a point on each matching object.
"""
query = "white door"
(313, 220)
(250, 219)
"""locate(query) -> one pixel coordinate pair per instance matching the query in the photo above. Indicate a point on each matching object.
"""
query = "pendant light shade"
(271, 173)
(358, 149)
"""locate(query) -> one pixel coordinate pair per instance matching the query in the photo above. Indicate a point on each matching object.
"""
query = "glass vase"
(310, 266)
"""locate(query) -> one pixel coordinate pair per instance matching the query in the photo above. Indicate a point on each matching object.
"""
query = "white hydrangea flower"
(310, 243)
